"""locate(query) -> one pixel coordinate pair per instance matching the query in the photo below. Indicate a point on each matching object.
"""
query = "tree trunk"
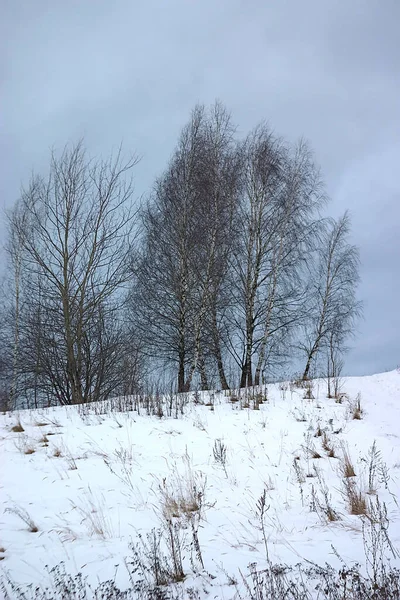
(247, 376)
(221, 371)
(181, 374)
(308, 366)
(257, 376)
(218, 354)
(203, 373)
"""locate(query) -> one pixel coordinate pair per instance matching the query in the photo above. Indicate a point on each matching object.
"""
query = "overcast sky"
(132, 70)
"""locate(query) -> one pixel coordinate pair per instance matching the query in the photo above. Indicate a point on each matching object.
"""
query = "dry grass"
(355, 497)
(300, 416)
(179, 506)
(323, 506)
(311, 451)
(181, 498)
(24, 516)
(319, 432)
(355, 410)
(17, 428)
(199, 423)
(182, 494)
(308, 394)
(346, 464)
(315, 453)
(328, 446)
(24, 444)
(340, 397)
(93, 513)
(62, 450)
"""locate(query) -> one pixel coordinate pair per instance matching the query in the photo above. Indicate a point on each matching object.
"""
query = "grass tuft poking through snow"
(25, 517)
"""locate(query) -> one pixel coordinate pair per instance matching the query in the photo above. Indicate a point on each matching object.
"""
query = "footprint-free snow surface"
(94, 487)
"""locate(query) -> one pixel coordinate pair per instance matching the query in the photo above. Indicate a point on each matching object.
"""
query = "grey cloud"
(132, 70)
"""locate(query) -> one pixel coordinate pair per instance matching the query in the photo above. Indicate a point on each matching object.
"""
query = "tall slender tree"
(281, 194)
(332, 305)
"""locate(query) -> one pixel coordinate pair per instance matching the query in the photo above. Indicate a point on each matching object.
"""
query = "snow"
(114, 470)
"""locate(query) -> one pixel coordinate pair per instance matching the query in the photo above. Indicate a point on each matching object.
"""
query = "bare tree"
(281, 193)
(74, 229)
(187, 225)
(332, 304)
(218, 184)
(163, 294)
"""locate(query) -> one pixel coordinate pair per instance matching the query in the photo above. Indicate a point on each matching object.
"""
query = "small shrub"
(158, 558)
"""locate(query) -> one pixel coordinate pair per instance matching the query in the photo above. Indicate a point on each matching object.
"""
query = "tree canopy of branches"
(70, 247)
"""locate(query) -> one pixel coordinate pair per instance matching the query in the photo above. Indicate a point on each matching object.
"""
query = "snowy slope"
(101, 480)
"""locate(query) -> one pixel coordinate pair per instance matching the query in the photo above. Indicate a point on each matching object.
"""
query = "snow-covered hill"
(231, 481)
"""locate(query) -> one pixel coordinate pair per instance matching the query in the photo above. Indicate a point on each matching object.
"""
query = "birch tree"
(281, 194)
(187, 225)
(333, 306)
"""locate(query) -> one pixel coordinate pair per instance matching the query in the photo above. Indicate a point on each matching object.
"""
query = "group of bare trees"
(226, 273)
(70, 250)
